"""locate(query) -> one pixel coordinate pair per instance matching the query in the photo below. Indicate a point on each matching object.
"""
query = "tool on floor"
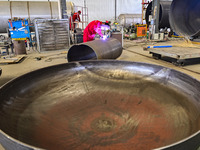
(40, 57)
(163, 46)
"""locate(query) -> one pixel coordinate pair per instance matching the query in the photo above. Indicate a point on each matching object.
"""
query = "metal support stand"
(156, 14)
(155, 19)
(115, 10)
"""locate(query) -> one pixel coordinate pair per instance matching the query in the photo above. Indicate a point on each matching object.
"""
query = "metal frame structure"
(58, 36)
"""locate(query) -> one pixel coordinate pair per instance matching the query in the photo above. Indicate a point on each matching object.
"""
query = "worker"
(73, 18)
(91, 29)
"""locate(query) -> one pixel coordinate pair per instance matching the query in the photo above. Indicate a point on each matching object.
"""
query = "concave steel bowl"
(101, 105)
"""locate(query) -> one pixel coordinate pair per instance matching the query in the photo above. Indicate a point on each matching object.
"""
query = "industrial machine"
(135, 31)
(19, 29)
(141, 30)
(130, 32)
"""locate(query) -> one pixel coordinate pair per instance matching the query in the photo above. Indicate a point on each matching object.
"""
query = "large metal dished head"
(102, 105)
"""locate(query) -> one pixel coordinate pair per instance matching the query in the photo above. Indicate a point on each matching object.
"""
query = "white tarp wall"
(105, 9)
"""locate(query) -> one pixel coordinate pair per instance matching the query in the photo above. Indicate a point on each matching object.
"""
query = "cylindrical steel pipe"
(185, 17)
(97, 49)
(19, 47)
(164, 13)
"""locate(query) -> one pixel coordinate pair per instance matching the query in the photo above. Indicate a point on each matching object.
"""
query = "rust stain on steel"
(109, 120)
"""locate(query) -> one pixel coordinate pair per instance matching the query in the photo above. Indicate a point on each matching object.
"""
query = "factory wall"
(105, 9)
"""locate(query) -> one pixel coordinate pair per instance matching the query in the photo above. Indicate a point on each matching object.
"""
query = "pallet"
(181, 54)
(11, 60)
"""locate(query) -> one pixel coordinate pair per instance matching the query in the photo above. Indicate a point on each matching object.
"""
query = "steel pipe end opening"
(81, 52)
(163, 15)
(185, 17)
(110, 48)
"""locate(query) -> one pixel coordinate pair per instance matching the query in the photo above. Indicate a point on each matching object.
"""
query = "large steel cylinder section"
(185, 17)
(164, 13)
(98, 49)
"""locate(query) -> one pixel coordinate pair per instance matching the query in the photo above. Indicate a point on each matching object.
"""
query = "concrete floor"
(133, 51)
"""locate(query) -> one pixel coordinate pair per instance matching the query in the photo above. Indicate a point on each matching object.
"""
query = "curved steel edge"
(10, 143)
(190, 143)
(0, 71)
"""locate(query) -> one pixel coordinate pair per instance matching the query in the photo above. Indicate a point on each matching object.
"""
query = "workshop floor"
(133, 51)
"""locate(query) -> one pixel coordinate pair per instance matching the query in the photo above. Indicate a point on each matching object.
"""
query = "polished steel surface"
(185, 17)
(104, 105)
(25, 9)
(164, 13)
(110, 48)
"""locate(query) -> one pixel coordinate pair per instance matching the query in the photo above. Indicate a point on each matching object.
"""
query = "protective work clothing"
(91, 29)
(76, 16)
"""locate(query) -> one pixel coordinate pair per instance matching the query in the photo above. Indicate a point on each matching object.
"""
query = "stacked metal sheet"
(52, 34)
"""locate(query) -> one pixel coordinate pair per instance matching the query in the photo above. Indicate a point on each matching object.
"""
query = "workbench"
(6, 45)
